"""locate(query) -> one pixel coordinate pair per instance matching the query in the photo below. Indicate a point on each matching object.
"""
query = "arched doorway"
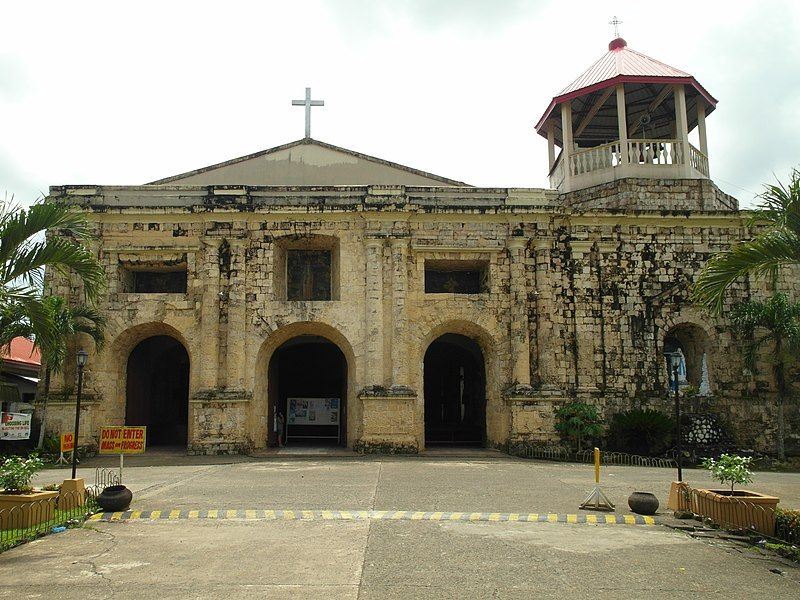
(455, 391)
(307, 389)
(157, 390)
(693, 344)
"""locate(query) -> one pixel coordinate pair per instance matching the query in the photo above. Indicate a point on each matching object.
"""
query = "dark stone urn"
(643, 503)
(115, 498)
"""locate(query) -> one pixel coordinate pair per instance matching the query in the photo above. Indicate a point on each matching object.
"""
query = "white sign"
(15, 426)
(313, 411)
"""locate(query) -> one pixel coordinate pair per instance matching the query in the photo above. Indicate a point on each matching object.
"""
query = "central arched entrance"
(157, 390)
(455, 392)
(308, 392)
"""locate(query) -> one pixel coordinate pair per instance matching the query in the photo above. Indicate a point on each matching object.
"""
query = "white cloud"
(107, 93)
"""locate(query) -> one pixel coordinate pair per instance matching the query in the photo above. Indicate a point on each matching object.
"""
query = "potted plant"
(20, 505)
(738, 508)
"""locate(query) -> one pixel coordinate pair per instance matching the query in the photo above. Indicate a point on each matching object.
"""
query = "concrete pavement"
(385, 558)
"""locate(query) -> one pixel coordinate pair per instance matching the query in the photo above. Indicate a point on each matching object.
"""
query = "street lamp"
(81, 359)
(674, 362)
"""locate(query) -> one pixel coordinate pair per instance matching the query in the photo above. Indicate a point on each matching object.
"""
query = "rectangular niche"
(456, 276)
(307, 268)
(154, 277)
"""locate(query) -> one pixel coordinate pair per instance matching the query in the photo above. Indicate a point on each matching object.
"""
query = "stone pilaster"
(237, 317)
(520, 335)
(399, 348)
(373, 317)
(208, 359)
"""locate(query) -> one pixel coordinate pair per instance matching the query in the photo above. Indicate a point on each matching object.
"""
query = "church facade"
(318, 294)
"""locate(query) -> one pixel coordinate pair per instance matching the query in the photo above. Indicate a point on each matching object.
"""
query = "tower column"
(622, 125)
(551, 147)
(682, 126)
(701, 125)
(566, 134)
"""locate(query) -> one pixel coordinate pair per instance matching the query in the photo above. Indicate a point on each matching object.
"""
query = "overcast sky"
(129, 92)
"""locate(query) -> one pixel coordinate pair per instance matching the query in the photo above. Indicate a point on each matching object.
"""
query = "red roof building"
(627, 115)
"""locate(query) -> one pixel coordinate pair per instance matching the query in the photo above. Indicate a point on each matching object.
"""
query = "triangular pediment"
(307, 162)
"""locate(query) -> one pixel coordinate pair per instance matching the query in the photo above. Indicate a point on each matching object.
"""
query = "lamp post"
(674, 362)
(81, 358)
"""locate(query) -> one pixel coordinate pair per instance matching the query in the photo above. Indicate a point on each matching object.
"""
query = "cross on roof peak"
(308, 103)
(616, 23)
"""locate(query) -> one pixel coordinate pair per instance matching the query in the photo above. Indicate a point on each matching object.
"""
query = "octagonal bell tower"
(627, 116)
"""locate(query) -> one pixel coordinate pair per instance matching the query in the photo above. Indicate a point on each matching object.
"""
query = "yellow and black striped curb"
(361, 515)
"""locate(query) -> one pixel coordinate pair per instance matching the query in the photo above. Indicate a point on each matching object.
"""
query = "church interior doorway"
(157, 390)
(308, 393)
(455, 392)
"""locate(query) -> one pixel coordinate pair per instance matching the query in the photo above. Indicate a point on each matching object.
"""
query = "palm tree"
(779, 322)
(68, 322)
(49, 235)
(777, 245)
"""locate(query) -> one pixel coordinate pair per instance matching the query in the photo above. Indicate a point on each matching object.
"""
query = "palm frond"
(27, 262)
(763, 255)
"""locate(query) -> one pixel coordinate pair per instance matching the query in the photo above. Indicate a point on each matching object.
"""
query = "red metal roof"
(622, 65)
(22, 350)
(621, 60)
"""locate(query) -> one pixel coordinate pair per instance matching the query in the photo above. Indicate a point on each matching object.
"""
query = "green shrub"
(787, 525)
(577, 421)
(17, 472)
(641, 431)
(729, 468)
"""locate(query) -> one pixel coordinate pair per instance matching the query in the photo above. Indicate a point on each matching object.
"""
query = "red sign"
(67, 442)
(122, 440)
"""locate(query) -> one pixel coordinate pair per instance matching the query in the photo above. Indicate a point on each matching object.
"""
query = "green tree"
(577, 421)
(776, 245)
(26, 249)
(776, 323)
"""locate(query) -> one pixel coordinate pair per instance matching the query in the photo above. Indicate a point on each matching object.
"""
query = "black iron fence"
(27, 517)
(559, 453)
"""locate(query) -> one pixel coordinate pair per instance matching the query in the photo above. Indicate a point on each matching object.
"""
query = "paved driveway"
(385, 528)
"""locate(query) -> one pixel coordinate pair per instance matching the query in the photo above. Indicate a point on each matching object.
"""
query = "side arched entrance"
(307, 392)
(455, 391)
(157, 390)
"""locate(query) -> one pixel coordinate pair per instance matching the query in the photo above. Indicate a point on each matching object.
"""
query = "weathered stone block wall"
(577, 305)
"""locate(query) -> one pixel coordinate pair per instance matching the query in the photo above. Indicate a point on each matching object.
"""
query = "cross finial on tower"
(308, 103)
(616, 23)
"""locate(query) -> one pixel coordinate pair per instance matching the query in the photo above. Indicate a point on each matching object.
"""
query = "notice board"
(313, 411)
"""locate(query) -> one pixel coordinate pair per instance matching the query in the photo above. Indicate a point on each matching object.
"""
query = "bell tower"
(626, 116)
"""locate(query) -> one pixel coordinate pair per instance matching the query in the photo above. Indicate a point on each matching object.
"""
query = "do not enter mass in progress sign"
(123, 440)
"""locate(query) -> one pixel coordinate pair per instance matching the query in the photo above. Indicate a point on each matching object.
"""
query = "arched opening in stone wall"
(157, 390)
(307, 390)
(693, 343)
(455, 391)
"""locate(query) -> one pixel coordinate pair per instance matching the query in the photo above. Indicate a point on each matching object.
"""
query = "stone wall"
(578, 302)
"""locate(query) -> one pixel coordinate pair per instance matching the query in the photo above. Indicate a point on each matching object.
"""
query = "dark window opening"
(456, 277)
(308, 274)
(159, 282)
(154, 278)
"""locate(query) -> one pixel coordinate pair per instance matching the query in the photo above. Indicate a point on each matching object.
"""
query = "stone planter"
(643, 503)
(741, 509)
(72, 494)
(21, 511)
(679, 496)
